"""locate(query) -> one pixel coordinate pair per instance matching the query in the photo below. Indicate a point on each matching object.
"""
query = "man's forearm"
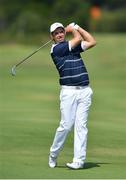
(88, 39)
(77, 38)
(86, 35)
(76, 34)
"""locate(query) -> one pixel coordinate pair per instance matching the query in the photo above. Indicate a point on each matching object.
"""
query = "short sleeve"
(79, 48)
(83, 46)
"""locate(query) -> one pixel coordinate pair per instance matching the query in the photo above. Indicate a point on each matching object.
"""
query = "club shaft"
(32, 53)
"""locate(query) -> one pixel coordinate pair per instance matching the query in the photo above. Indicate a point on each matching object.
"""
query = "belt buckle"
(77, 87)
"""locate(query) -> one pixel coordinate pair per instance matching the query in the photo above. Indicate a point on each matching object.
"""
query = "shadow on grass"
(87, 165)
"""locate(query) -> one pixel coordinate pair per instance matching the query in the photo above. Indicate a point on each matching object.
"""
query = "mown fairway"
(29, 113)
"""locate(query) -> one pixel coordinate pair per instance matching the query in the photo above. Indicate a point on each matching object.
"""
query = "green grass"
(29, 113)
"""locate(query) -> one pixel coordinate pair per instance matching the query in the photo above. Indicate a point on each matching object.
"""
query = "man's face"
(58, 35)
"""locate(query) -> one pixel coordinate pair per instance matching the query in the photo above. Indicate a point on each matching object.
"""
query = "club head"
(13, 71)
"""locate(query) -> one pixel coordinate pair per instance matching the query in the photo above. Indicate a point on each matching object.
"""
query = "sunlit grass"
(29, 113)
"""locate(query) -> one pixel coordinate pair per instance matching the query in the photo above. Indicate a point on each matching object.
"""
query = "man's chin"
(60, 40)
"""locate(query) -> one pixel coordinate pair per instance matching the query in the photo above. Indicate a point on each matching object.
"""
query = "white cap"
(54, 26)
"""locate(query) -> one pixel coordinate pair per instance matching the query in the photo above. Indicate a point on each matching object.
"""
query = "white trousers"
(74, 106)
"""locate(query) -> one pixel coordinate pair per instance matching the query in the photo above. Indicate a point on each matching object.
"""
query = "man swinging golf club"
(75, 95)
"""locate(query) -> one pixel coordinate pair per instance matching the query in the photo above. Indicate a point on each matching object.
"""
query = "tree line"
(35, 16)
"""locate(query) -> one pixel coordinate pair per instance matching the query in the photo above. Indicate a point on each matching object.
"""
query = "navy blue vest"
(69, 64)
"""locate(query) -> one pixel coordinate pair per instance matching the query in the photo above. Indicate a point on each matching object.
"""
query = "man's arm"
(77, 38)
(88, 39)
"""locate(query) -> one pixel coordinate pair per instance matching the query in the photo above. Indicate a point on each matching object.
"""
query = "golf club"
(13, 69)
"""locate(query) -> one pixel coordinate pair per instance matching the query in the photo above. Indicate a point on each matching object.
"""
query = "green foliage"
(25, 21)
(111, 21)
(75, 10)
(31, 19)
(20, 17)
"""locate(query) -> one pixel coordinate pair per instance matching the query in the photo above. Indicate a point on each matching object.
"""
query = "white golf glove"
(75, 26)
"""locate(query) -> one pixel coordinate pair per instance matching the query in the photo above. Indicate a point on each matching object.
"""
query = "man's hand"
(69, 28)
(72, 24)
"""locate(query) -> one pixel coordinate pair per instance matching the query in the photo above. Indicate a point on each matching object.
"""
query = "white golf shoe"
(52, 162)
(75, 165)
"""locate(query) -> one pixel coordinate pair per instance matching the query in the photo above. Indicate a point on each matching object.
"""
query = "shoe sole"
(74, 168)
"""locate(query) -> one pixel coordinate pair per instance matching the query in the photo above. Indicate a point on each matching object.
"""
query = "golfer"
(76, 93)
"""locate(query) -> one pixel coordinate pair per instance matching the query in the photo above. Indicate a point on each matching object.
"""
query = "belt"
(74, 87)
